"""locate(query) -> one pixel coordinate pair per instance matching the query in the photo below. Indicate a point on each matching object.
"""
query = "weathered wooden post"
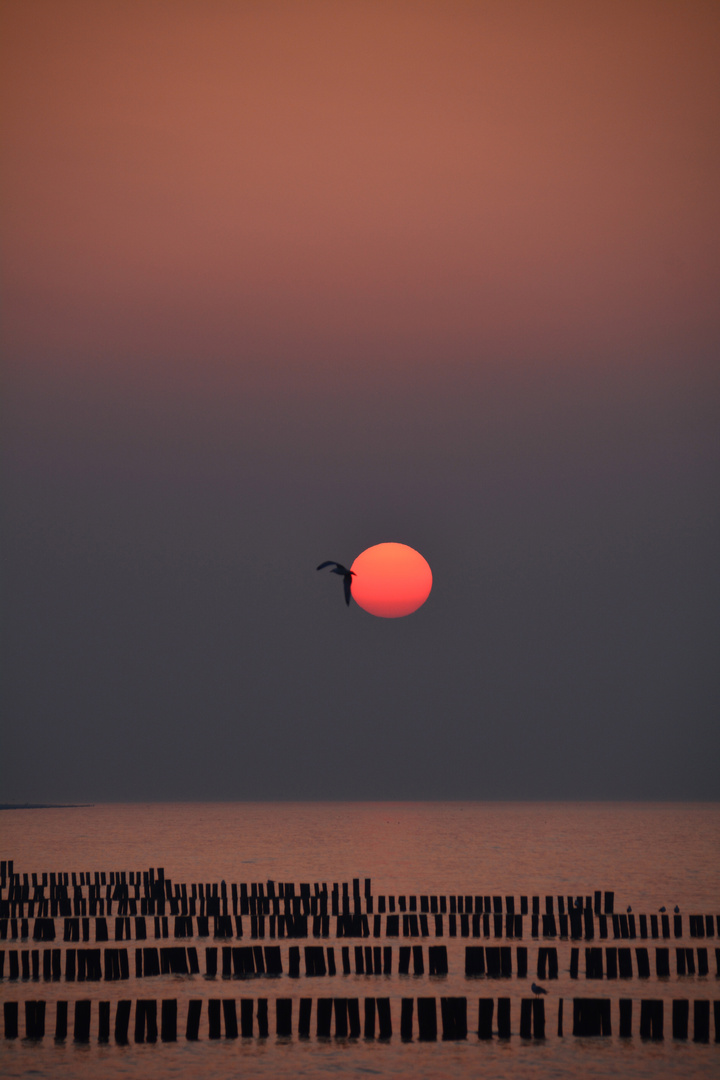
(486, 1008)
(10, 1011)
(104, 1021)
(384, 1018)
(353, 1015)
(81, 1031)
(304, 1018)
(61, 1021)
(406, 1019)
(538, 1013)
(246, 1018)
(526, 1018)
(680, 1017)
(427, 1019)
(262, 1018)
(34, 1019)
(369, 1029)
(283, 1017)
(324, 1017)
(701, 1021)
(651, 1019)
(503, 1017)
(192, 1029)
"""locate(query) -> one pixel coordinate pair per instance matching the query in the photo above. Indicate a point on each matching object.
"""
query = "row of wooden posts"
(491, 961)
(263, 898)
(154, 884)
(355, 925)
(590, 1017)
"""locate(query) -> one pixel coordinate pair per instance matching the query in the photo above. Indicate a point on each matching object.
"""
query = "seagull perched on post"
(345, 574)
(537, 990)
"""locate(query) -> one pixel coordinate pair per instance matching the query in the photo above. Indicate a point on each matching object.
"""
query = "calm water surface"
(651, 855)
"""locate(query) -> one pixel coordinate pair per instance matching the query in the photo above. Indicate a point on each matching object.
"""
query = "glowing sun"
(391, 580)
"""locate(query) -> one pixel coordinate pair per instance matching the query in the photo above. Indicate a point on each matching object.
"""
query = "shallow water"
(650, 855)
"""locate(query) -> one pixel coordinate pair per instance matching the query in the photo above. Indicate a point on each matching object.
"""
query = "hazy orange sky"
(473, 181)
(285, 280)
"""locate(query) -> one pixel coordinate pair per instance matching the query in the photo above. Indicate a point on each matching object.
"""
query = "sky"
(284, 280)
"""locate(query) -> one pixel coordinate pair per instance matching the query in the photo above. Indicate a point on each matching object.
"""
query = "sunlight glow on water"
(651, 855)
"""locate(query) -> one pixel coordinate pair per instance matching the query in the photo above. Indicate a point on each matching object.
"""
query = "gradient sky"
(283, 280)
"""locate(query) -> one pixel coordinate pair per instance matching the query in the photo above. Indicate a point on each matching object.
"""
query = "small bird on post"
(345, 574)
(537, 990)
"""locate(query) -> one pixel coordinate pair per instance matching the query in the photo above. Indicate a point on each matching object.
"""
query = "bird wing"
(328, 563)
(347, 581)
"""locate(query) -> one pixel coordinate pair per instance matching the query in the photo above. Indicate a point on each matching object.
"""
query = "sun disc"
(391, 580)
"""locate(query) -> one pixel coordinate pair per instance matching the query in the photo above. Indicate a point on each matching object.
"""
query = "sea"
(650, 856)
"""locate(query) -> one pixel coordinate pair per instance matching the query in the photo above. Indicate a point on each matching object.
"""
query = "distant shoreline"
(43, 806)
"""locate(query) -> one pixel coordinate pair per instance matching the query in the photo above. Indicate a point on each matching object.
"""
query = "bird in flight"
(345, 574)
(537, 990)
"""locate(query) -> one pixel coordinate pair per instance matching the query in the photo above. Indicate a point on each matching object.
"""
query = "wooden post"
(168, 1020)
(104, 1021)
(262, 1018)
(437, 960)
(626, 1010)
(560, 1019)
(625, 963)
(81, 1031)
(324, 1017)
(35, 1019)
(10, 1010)
(605, 1016)
(427, 1019)
(246, 1018)
(192, 1029)
(211, 961)
(122, 1021)
(406, 1019)
(304, 1018)
(230, 1018)
(486, 1008)
(651, 1019)
(384, 1018)
(369, 1029)
(503, 1017)
(526, 1018)
(353, 1014)
(283, 1016)
(538, 1013)
(680, 1016)
(701, 1021)
(61, 1021)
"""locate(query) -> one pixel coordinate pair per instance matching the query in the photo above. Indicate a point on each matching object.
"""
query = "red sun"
(391, 580)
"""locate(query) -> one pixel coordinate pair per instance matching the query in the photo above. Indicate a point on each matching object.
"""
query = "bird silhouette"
(629, 907)
(663, 909)
(538, 990)
(676, 909)
(345, 574)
